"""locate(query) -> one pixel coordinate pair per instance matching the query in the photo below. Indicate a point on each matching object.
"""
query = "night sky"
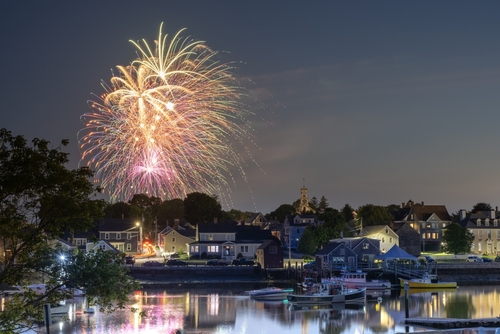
(371, 102)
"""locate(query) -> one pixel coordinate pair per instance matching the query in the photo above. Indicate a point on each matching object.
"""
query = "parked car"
(217, 263)
(129, 260)
(429, 259)
(243, 262)
(175, 256)
(152, 264)
(487, 259)
(310, 265)
(474, 258)
(176, 262)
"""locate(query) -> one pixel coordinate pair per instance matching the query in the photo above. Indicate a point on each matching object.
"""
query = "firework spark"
(167, 123)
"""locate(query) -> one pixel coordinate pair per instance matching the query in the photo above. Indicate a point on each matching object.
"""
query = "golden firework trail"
(166, 125)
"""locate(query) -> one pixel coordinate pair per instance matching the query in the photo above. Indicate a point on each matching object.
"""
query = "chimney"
(492, 214)
(215, 220)
(123, 216)
(422, 203)
(341, 235)
(402, 205)
(461, 215)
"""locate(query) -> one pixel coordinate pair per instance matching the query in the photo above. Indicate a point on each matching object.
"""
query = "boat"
(358, 279)
(328, 292)
(270, 293)
(306, 284)
(59, 310)
(426, 282)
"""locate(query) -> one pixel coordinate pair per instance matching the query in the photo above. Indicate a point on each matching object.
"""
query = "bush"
(239, 256)
(203, 255)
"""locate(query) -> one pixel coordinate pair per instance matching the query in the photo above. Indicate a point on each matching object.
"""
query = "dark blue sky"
(370, 101)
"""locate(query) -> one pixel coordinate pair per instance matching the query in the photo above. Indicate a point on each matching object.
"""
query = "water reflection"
(228, 311)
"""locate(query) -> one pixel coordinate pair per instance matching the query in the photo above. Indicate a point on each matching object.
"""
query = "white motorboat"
(271, 293)
(328, 292)
(358, 279)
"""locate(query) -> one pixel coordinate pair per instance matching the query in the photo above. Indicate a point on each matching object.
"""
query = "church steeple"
(304, 200)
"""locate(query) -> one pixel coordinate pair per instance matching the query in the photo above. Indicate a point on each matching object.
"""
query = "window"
(489, 234)
(478, 222)
(487, 222)
(78, 242)
(244, 249)
(495, 222)
(480, 235)
(366, 245)
(118, 236)
(106, 236)
(386, 230)
(298, 231)
(213, 249)
(129, 247)
(273, 249)
(383, 239)
(194, 249)
(173, 239)
(498, 236)
(479, 248)
(129, 236)
(102, 247)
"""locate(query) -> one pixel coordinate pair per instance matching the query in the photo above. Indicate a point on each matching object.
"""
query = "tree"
(374, 215)
(117, 210)
(457, 239)
(323, 204)
(171, 210)
(347, 212)
(40, 199)
(281, 212)
(200, 207)
(314, 203)
(307, 242)
(481, 207)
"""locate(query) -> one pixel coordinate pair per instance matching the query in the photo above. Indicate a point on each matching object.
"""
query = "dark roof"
(328, 248)
(270, 242)
(230, 227)
(187, 233)
(422, 212)
(116, 224)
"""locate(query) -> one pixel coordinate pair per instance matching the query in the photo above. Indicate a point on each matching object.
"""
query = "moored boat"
(328, 292)
(426, 282)
(271, 293)
(358, 280)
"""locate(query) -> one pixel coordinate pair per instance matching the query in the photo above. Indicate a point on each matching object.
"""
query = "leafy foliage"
(200, 207)
(374, 215)
(457, 239)
(481, 206)
(40, 199)
(281, 212)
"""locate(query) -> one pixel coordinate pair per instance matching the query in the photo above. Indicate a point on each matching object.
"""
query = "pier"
(453, 323)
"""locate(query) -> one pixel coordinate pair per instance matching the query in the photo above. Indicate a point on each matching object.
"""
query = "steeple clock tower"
(304, 200)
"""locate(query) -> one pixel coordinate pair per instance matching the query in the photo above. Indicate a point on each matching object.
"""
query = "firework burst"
(166, 125)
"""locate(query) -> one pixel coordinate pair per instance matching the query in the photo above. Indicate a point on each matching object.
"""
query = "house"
(177, 240)
(123, 234)
(335, 256)
(102, 245)
(257, 219)
(428, 220)
(80, 239)
(270, 254)
(484, 225)
(409, 238)
(227, 240)
(365, 249)
(383, 233)
(294, 226)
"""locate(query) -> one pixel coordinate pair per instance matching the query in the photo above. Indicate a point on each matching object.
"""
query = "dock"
(453, 323)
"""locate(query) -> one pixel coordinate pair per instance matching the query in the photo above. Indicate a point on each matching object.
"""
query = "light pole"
(140, 235)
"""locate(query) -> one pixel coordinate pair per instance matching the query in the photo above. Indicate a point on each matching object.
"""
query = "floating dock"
(450, 323)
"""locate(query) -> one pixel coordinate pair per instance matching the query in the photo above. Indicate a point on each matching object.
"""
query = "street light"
(140, 234)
